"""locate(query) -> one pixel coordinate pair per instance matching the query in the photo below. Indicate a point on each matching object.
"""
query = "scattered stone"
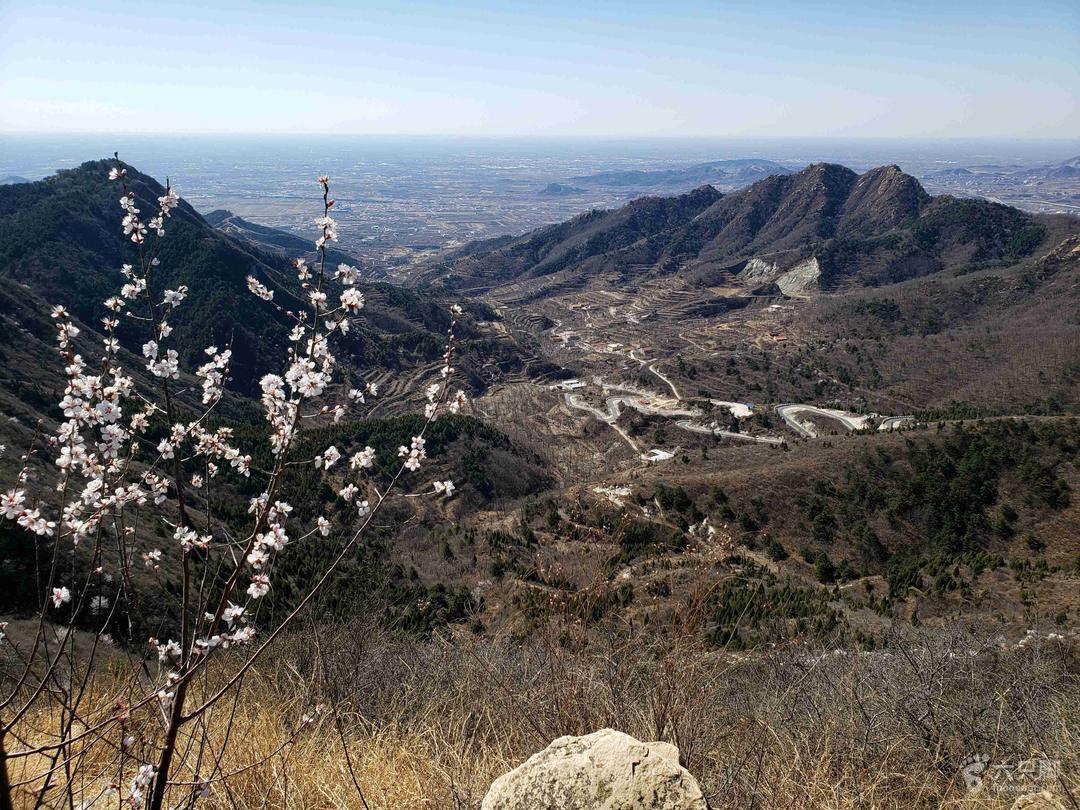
(605, 770)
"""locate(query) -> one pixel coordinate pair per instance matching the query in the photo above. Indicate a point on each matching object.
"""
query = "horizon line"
(545, 136)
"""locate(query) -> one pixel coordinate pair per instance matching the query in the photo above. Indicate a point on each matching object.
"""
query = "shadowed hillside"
(60, 244)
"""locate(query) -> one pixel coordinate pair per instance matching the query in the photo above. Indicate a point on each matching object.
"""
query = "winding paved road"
(615, 405)
(671, 385)
(642, 403)
(789, 414)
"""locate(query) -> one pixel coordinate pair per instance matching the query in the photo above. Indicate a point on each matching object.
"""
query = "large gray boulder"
(605, 770)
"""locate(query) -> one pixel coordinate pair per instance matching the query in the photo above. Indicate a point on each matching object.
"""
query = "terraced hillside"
(735, 367)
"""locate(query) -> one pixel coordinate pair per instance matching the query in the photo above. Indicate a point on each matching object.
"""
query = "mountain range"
(737, 172)
(867, 229)
(1048, 188)
(588, 342)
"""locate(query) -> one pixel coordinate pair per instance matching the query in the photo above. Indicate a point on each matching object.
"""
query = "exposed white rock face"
(756, 269)
(797, 280)
(800, 279)
(605, 770)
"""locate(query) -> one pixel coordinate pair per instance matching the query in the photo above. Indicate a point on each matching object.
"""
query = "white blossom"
(232, 613)
(364, 458)
(329, 227)
(346, 274)
(352, 300)
(259, 587)
(174, 297)
(168, 202)
(259, 289)
(186, 537)
(413, 454)
(328, 458)
(242, 636)
(32, 521)
(456, 402)
(11, 505)
(167, 368)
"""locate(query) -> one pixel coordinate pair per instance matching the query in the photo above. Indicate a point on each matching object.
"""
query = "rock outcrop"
(605, 770)
(798, 280)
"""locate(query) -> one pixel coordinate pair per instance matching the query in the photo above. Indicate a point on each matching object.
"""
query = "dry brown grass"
(429, 724)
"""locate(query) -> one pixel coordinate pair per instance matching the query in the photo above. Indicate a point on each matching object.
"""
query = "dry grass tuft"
(430, 724)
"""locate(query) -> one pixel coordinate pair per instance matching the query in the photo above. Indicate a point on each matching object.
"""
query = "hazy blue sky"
(905, 68)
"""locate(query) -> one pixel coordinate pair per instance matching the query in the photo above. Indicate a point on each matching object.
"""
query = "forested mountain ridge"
(61, 239)
(61, 243)
(860, 230)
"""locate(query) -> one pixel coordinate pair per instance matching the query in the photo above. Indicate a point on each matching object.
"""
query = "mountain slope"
(61, 241)
(60, 237)
(993, 341)
(271, 240)
(635, 233)
(857, 230)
